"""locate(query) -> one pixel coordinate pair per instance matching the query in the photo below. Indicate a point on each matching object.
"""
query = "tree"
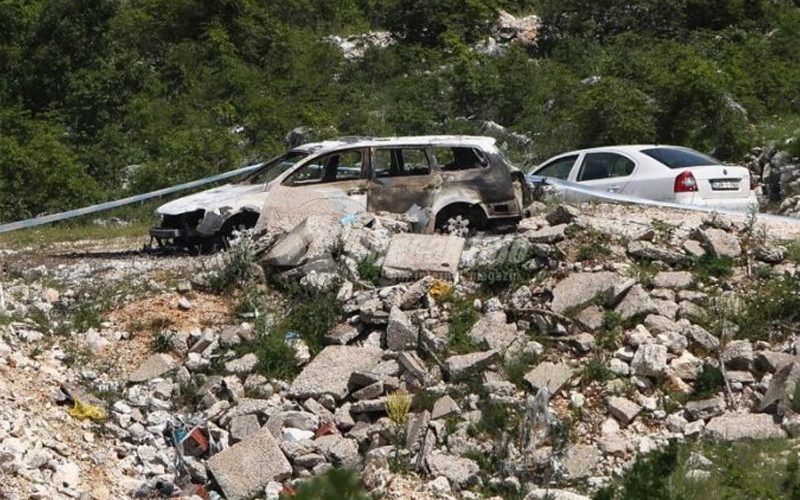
(612, 111)
(429, 22)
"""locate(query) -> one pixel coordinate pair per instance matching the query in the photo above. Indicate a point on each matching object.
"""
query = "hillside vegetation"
(184, 88)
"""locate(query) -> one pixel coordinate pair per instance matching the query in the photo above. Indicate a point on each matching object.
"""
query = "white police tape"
(48, 219)
(533, 179)
(621, 198)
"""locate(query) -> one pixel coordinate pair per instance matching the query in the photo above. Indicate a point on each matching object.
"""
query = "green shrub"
(238, 266)
(276, 358)
(596, 370)
(708, 383)
(311, 316)
(648, 478)
(162, 341)
(369, 271)
(515, 368)
(709, 266)
(463, 317)
(769, 309)
(335, 484)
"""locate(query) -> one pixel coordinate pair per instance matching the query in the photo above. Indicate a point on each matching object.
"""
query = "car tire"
(460, 220)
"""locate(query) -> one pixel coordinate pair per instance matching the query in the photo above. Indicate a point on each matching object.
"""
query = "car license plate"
(725, 185)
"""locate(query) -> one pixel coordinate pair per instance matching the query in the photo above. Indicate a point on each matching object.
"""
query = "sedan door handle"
(613, 189)
(356, 191)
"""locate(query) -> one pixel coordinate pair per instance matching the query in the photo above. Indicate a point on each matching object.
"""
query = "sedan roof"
(627, 148)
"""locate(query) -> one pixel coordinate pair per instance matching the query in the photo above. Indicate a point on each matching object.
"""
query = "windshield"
(274, 168)
(680, 158)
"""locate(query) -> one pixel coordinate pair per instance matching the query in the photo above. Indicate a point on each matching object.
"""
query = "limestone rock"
(550, 376)
(732, 427)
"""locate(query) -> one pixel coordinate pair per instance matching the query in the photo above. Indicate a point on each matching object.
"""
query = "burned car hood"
(232, 196)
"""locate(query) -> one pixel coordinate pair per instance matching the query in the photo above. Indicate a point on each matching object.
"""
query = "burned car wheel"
(460, 220)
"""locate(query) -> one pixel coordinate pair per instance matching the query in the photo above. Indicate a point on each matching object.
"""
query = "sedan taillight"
(685, 183)
(753, 183)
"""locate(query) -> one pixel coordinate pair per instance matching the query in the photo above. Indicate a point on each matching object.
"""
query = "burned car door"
(333, 184)
(401, 178)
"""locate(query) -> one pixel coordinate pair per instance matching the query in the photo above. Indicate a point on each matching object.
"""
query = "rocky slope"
(508, 366)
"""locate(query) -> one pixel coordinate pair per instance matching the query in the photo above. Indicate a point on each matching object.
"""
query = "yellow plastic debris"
(83, 411)
(440, 289)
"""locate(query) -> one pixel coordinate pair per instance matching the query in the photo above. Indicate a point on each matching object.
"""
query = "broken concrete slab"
(415, 292)
(592, 318)
(461, 472)
(552, 494)
(411, 362)
(732, 427)
(414, 256)
(650, 251)
(493, 331)
(673, 279)
(579, 289)
(623, 409)
(650, 360)
(580, 461)
(460, 367)
(243, 365)
(720, 243)
(401, 333)
(243, 427)
(549, 234)
(781, 389)
(243, 470)
(329, 372)
(444, 407)
(416, 429)
(636, 302)
(550, 376)
(314, 237)
(342, 334)
(769, 361)
(705, 409)
(562, 214)
(153, 367)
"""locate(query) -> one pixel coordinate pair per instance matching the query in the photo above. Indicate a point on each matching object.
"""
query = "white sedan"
(663, 173)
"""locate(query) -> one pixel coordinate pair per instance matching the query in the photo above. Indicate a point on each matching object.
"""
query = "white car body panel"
(653, 180)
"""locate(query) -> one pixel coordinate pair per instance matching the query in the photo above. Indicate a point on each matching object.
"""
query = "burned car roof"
(370, 142)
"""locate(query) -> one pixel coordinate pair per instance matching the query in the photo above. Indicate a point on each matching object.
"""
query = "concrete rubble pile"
(466, 334)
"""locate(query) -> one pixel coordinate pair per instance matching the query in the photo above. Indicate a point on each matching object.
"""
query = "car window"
(680, 158)
(454, 159)
(559, 168)
(341, 166)
(395, 162)
(273, 168)
(604, 166)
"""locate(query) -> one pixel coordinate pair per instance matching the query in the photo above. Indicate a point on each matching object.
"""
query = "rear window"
(680, 158)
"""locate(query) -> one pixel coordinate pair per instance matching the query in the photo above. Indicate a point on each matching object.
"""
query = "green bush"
(709, 382)
(613, 111)
(335, 484)
(431, 22)
(39, 172)
(769, 309)
(311, 316)
(463, 317)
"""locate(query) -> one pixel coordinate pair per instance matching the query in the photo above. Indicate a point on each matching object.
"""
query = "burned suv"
(462, 183)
